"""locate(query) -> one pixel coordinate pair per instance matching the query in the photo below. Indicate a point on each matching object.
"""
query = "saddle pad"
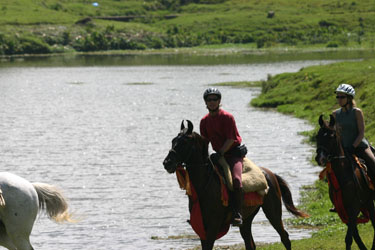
(337, 199)
(196, 220)
(253, 178)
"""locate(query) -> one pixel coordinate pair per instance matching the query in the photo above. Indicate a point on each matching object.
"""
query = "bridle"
(184, 164)
(182, 161)
(329, 157)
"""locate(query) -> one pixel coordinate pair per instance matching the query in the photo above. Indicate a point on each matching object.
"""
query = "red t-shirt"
(217, 129)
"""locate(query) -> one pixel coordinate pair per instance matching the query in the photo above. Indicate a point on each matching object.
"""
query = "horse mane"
(337, 130)
(201, 143)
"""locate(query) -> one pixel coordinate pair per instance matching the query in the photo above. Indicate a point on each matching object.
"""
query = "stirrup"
(237, 221)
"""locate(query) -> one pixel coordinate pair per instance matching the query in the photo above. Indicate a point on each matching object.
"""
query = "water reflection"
(241, 57)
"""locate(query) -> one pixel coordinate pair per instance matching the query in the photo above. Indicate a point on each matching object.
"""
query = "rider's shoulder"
(336, 111)
(204, 118)
(225, 113)
(358, 111)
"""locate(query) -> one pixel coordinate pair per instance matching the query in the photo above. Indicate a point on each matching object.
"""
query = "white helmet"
(346, 89)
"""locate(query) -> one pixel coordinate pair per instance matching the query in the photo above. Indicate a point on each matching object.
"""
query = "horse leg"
(207, 244)
(20, 238)
(4, 239)
(352, 232)
(246, 233)
(272, 209)
(211, 233)
(358, 239)
(18, 225)
(371, 211)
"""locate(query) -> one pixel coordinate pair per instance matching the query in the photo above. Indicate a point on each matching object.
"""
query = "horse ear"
(190, 127)
(182, 125)
(321, 122)
(331, 121)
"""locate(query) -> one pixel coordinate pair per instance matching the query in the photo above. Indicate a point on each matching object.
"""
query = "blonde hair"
(351, 101)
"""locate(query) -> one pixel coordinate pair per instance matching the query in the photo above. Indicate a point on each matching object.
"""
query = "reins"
(190, 165)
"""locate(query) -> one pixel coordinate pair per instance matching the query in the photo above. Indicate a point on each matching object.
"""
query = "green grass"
(240, 84)
(310, 92)
(314, 23)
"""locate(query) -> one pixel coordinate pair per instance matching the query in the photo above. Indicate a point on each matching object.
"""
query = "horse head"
(181, 148)
(326, 141)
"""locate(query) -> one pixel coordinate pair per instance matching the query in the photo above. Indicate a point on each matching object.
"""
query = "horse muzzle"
(169, 165)
(321, 159)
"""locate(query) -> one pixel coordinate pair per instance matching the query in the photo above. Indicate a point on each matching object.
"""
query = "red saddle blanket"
(196, 221)
(337, 197)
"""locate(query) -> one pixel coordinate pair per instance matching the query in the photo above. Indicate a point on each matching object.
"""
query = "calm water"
(101, 134)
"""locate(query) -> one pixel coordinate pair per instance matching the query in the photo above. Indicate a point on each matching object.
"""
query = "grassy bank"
(64, 26)
(310, 92)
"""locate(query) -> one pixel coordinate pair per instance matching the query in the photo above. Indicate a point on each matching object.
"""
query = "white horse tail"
(53, 202)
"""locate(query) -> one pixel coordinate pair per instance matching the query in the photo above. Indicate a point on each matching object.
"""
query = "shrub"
(33, 45)
(332, 44)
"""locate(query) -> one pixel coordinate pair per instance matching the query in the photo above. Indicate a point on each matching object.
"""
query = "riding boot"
(237, 204)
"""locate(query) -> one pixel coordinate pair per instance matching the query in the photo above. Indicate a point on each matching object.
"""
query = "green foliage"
(187, 23)
(22, 45)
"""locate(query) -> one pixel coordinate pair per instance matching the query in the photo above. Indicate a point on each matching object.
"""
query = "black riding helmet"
(211, 91)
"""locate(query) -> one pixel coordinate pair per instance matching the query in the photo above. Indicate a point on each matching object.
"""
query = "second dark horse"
(356, 194)
(189, 149)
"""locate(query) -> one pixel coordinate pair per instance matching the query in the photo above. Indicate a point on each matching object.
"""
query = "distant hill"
(46, 26)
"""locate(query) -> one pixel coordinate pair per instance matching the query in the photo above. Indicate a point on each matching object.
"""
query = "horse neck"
(198, 171)
(342, 163)
(339, 148)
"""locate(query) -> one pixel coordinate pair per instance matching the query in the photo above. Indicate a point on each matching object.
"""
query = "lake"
(100, 131)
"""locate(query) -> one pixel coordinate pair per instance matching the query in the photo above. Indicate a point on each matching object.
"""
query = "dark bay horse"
(356, 195)
(190, 149)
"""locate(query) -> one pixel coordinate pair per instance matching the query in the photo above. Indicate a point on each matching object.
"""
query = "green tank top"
(347, 123)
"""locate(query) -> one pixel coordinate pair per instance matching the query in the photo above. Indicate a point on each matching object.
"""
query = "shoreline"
(224, 49)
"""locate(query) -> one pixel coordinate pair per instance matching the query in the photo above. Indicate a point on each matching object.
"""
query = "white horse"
(23, 200)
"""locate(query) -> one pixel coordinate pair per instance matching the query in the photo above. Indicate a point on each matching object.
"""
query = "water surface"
(101, 134)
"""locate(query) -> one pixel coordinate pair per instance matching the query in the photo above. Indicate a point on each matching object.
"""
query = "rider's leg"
(236, 166)
(369, 158)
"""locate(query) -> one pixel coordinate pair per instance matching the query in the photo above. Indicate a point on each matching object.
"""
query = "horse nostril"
(165, 162)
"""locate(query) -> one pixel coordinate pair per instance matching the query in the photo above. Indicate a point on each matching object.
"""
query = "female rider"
(351, 125)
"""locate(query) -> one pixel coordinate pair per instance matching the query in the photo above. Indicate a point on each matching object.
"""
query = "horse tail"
(287, 198)
(53, 202)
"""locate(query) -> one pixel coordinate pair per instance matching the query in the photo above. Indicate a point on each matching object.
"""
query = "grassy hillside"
(50, 25)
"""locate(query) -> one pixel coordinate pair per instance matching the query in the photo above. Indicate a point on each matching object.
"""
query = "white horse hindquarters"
(20, 211)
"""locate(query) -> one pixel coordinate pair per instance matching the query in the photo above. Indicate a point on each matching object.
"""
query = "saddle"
(360, 164)
(356, 163)
(253, 179)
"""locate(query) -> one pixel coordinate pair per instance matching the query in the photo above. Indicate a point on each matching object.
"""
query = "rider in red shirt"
(219, 128)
